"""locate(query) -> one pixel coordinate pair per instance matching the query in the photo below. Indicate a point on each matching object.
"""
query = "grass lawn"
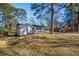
(40, 45)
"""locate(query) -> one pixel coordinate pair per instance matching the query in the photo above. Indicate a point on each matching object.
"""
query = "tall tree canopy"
(48, 11)
(70, 13)
(20, 15)
(6, 8)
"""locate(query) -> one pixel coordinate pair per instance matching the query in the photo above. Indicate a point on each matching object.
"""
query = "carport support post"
(27, 29)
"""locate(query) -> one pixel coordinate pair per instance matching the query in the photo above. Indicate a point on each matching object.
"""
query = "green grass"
(40, 45)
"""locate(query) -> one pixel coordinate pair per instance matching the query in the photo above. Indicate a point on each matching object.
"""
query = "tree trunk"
(4, 17)
(72, 20)
(78, 21)
(52, 20)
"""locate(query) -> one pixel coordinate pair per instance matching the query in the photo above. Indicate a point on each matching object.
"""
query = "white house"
(23, 29)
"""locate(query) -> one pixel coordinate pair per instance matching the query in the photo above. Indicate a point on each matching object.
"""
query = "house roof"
(38, 25)
(26, 24)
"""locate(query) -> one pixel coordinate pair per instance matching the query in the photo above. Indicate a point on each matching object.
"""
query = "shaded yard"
(40, 44)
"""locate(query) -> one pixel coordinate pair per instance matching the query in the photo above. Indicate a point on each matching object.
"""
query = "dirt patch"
(3, 44)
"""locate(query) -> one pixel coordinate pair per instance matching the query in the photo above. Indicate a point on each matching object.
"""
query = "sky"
(27, 7)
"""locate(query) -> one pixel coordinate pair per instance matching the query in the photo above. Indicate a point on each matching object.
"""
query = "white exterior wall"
(23, 30)
(30, 29)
